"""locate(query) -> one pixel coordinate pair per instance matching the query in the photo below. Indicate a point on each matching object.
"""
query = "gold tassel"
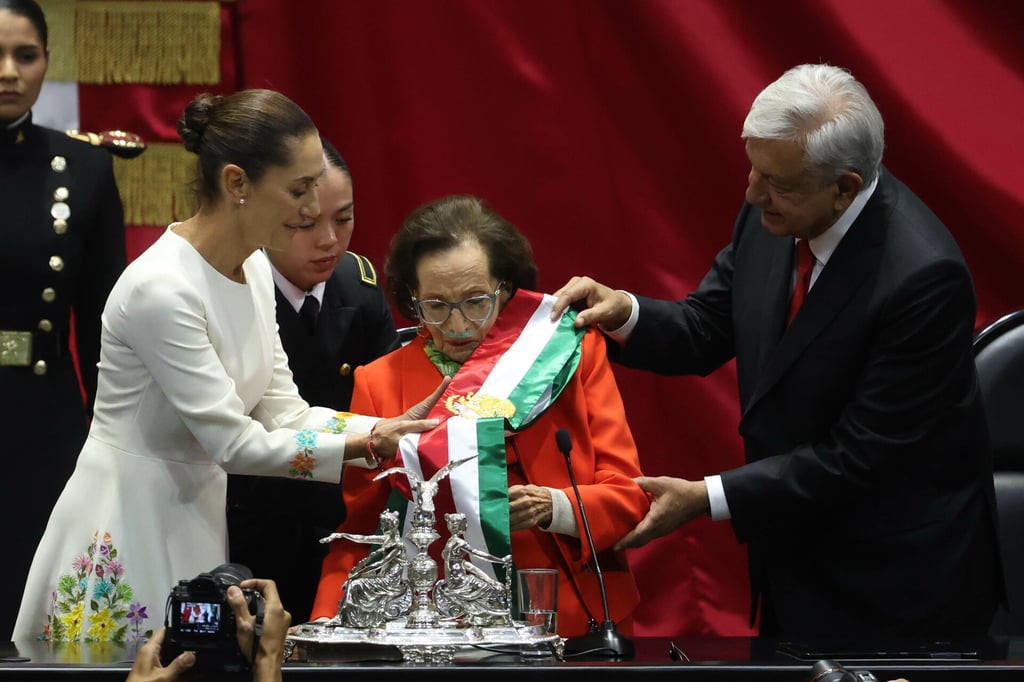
(156, 187)
(147, 42)
(60, 22)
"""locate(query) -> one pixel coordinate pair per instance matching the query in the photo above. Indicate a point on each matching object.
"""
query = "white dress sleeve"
(283, 407)
(165, 322)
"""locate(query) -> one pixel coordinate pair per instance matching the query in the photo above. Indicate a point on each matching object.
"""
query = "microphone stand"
(604, 640)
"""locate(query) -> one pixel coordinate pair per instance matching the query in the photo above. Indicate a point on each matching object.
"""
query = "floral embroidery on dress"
(302, 466)
(96, 579)
(338, 422)
(304, 462)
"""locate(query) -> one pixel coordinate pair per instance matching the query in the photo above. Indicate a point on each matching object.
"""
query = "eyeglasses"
(475, 308)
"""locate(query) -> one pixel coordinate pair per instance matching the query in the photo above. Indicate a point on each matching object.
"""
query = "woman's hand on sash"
(383, 440)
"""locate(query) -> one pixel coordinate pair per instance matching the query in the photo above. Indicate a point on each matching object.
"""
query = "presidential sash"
(513, 376)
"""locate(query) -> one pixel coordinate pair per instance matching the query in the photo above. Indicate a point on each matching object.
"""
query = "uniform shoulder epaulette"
(118, 142)
(367, 273)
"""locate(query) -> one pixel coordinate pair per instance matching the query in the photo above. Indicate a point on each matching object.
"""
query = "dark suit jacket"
(49, 269)
(867, 500)
(274, 524)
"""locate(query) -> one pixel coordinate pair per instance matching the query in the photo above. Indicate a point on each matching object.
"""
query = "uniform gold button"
(60, 210)
(59, 164)
(345, 369)
(56, 263)
(49, 294)
(45, 326)
(39, 369)
(60, 226)
(61, 194)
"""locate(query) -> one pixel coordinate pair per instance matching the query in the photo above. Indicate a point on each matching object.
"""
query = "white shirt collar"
(294, 294)
(21, 119)
(825, 244)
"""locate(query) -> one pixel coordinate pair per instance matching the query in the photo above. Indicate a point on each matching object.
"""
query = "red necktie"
(803, 277)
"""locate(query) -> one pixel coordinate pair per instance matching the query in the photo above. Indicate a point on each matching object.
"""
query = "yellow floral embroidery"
(101, 626)
(72, 621)
(96, 579)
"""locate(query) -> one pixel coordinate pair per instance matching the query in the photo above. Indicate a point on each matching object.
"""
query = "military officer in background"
(61, 249)
(332, 317)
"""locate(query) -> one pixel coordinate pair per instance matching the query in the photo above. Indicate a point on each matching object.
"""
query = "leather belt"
(15, 348)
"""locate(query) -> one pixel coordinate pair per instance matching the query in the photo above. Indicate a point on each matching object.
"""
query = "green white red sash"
(513, 376)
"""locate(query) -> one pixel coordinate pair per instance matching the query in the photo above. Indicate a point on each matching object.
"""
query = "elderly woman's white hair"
(829, 113)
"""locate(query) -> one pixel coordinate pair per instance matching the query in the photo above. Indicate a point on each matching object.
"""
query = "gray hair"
(829, 113)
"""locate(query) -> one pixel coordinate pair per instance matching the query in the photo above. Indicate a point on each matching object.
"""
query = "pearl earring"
(241, 202)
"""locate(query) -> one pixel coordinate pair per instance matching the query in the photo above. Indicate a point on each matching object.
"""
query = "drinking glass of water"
(538, 604)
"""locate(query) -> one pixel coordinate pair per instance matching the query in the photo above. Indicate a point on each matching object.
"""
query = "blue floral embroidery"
(304, 462)
(306, 440)
(337, 423)
(101, 590)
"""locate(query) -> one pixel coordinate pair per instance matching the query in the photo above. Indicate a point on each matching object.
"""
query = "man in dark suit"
(332, 317)
(866, 500)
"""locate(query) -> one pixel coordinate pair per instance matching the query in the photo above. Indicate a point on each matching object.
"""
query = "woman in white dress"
(193, 383)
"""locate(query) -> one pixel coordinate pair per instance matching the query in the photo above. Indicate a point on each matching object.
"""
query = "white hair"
(829, 113)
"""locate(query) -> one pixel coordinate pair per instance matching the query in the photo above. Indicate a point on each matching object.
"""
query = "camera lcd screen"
(199, 617)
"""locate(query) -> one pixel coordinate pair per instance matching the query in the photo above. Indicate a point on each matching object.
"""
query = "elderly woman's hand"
(529, 506)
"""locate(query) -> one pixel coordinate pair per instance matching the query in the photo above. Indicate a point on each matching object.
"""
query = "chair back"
(999, 357)
(406, 334)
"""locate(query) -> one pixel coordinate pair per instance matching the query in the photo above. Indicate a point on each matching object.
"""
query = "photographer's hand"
(269, 651)
(147, 666)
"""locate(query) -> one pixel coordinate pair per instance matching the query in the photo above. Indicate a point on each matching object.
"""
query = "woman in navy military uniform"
(351, 325)
(61, 250)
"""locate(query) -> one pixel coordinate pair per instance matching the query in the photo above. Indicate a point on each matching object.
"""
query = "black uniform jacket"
(62, 247)
(274, 523)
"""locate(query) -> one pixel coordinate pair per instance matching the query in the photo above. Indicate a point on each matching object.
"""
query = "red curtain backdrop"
(608, 131)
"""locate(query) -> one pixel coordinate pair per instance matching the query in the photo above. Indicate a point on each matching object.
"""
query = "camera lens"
(231, 574)
(829, 671)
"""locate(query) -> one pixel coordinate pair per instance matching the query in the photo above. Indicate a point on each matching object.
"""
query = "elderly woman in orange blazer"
(465, 275)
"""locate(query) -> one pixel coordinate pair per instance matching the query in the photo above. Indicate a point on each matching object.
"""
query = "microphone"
(603, 640)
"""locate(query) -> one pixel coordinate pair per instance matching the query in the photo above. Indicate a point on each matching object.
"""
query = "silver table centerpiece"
(392, 599)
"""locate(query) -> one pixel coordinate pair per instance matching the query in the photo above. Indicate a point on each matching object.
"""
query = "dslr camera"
(830, 671)
(199, 618)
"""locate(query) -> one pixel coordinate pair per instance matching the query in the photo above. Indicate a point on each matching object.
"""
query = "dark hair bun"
(192, 125)
(252, 129)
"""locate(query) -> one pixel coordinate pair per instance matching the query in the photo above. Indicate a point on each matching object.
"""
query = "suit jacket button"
(345, 369)
(39, 369)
